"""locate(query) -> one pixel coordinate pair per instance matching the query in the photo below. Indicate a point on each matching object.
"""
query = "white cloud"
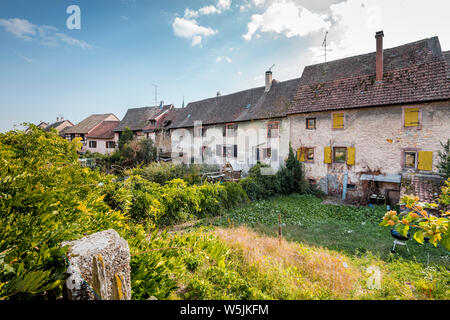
(190, 29)
(208, 10)
(287, 18)
(221, 6)
(356, 21)
(227, 59)
(47, 35)
(21, 28)
(124, 18)
(30, 61)
(188, 13)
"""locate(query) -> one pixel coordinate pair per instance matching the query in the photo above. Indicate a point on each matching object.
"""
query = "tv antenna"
(324, 45)
(270, 69)
(156, 93)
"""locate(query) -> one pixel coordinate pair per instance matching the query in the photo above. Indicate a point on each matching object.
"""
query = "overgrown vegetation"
(444, 160)
(46, 197)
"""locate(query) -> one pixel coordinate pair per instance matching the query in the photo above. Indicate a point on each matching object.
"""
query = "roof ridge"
(237, 92)
(371, 74)
(372, 52)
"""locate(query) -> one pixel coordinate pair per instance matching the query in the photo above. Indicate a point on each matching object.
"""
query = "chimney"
(268, 81)
(218, 94)
(379, 62)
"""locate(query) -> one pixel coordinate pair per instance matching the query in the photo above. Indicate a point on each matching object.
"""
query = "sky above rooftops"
(189, 49)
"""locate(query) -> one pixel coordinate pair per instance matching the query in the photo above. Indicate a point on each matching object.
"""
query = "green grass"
(349, 230)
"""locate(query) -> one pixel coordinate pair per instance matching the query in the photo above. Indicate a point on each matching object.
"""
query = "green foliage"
(426, 225)
(444, 160)
(45, 198)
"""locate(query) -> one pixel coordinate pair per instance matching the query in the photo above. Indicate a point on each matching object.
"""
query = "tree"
(444, 160)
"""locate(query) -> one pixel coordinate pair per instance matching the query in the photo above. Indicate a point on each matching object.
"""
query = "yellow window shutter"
(299, 152)
(327, 152)
(351, 156)
(302, 155)
(411, 117)
(338, 120)
(425, 161)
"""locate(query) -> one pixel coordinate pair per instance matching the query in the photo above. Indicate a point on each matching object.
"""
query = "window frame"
(234, 129)
(94, 142)
(108, 144)
(270, 129)
(313, 152)
(334, 155)
(315, 123)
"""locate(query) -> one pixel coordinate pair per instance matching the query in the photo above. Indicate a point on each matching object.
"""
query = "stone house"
(374, 119)
(239, 128)
(86, 127)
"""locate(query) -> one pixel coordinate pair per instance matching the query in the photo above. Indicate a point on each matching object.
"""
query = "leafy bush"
(45, 198)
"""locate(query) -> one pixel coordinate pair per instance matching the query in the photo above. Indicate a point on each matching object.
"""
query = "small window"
(351, 186)
(92, 144)
(229, 151)
(410, 159)
(231, 130)
(110, 144)
(309, 152)
(339, 155)
(338, 120)
(267, 152)
(310, 123)
(273, 130)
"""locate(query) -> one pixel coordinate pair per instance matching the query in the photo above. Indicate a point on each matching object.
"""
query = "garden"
(230, 247)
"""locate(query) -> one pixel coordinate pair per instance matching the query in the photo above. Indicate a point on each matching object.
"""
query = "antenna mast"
(156, 94)
(324, 45)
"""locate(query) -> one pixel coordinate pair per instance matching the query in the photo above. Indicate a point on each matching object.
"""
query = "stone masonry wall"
(379, 136)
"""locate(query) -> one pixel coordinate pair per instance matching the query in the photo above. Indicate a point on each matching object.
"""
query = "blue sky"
(188, 48)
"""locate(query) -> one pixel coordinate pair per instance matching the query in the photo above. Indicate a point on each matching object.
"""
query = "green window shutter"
(425, 161)
(327, 155)
(351, 156)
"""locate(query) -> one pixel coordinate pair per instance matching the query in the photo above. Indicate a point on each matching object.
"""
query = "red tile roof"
(415, 72)
(104, 131)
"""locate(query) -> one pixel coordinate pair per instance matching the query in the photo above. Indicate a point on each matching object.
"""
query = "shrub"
(254, 190)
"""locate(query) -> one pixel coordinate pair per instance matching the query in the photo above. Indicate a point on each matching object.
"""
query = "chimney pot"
(379, 55)
(219, 93)
(268, 81)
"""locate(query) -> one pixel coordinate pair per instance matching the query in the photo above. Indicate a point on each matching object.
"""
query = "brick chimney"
(379, 62)
(268, 81)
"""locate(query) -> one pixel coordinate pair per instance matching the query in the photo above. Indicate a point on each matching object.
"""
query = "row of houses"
(377, 117)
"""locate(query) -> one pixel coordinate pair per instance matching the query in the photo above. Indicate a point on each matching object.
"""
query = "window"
(272, 129)
(110, 144)
(92, 144)
(339, 155)
(309, 154)
(310, 123)
(228, 151)
(230, 130)
(338, 120)
(411, 116)
(264, 153)
(305, 154)
(411, 159)
(351, 186)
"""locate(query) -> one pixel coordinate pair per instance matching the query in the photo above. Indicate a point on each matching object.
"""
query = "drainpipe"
(344, 187)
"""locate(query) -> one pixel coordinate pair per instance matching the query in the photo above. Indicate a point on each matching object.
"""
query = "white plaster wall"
(101, 146)
(250, 135)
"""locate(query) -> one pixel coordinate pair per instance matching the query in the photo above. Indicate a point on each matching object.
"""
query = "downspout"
(344, 187)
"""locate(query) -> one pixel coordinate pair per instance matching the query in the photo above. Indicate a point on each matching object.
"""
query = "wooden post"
(279, 228)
